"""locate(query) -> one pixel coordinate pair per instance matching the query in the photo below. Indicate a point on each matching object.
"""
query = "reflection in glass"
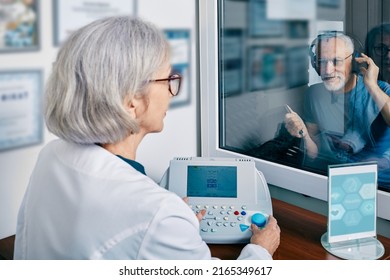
(344, 123)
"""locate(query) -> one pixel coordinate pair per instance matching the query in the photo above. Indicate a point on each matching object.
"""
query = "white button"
(222, 212)
(223, 207)
(229, 212)
(226, 224)
(233, 224)
(204, 229)
(214, 230)
(243, 207)
(226, 218)
(219, 224)
(210, 223)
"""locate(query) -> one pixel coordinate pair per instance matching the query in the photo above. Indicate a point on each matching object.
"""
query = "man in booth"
(339, 112)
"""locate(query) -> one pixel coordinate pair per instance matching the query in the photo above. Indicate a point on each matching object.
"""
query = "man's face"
(334, 63)
(381, 56)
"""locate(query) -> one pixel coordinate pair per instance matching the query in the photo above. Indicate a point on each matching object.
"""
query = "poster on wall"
(180, 42)
(329, 3)
(259, 23)
(266, 67)
(20, 108)
(297, 66)
(83, 12)
(231, 57)
(19, 30)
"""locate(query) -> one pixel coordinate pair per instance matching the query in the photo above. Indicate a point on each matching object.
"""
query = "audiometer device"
(231, 190)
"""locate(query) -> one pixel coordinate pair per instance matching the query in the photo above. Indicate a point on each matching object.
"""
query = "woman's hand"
(201, 213)
(268, 237)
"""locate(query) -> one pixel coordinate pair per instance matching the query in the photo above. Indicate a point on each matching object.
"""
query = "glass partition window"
(292, 92)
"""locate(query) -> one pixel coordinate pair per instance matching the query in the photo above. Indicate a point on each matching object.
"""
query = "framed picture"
(297, 66)
(298, 29)
(21, 119)
(232, 60)
(266, 67)
(19, 25)
(83, 12)
(260, 25)
(180, 42)
(329, 3)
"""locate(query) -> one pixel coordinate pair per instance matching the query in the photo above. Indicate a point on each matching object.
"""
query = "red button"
(236, 213)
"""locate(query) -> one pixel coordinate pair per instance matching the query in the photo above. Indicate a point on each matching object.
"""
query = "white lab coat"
(83, 202)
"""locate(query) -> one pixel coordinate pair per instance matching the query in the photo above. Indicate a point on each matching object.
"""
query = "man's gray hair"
(99, 67)
(335, 34)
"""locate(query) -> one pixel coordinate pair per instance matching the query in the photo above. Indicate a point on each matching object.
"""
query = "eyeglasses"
(381, 50)
(335, 61)
(174, 83)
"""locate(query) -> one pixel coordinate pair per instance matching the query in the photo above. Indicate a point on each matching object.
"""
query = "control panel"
(232, 191)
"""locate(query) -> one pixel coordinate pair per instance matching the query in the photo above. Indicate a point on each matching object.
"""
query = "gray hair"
(97, 69)
(335, 34)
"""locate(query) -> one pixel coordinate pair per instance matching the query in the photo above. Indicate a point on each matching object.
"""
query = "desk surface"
(300, 238)
(301, 232)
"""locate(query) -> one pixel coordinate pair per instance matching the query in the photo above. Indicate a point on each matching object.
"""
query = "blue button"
(259, 220)
(243, 227)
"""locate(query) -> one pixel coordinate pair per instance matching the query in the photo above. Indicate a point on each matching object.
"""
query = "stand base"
(359, 249)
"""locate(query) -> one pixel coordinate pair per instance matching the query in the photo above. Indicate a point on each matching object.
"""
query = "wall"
(179, 138)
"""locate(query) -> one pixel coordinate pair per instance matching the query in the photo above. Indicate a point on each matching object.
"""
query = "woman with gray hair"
(87, 197)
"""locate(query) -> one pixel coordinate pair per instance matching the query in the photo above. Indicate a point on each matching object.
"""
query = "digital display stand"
(352, 212)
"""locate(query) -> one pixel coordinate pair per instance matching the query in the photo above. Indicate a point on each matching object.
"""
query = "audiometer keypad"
(228, 218)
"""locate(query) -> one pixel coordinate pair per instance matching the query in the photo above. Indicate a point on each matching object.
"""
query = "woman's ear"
(130, 106)
(134, 107)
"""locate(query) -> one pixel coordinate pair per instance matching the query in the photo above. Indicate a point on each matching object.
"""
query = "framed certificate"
(83, 12)
(19, 25)
(180, 42)
(21, 119)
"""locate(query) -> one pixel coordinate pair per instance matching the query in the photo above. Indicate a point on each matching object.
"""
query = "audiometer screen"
(212, 181)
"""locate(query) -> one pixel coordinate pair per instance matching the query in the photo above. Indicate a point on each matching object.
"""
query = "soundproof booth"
(264, 64)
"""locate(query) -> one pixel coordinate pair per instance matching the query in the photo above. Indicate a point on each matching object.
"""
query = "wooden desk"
(300, 238)
(7, 248)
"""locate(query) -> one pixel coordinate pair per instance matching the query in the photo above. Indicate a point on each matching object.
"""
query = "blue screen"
(212, 181)
(352, 203)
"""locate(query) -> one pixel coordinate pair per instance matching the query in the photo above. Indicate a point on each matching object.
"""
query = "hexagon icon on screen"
(351, 184)
(352, 218)
(367, 191)
(337, 211)
(337, 195)
(367, 208)
(352, 201)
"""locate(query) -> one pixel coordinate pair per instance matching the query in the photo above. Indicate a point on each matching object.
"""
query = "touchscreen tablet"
(352, 206)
